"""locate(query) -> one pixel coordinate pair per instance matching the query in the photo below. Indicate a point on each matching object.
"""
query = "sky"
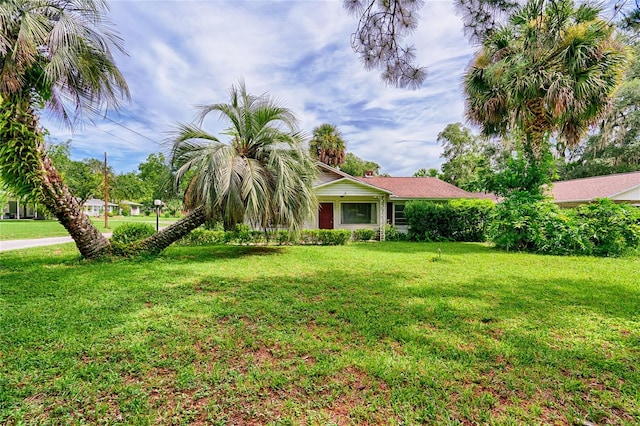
(184, 53)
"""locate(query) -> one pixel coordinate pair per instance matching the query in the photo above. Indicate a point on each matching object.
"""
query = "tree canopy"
(262, 174)
(550, 70)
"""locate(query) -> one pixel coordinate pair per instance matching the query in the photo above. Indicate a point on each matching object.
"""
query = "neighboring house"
(95, 207)
(347, 202)
(16, 209)
(134, 208)
(620, 188)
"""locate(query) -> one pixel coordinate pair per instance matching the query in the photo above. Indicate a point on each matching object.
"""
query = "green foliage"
(524, 222)
(465, 161)
(132, 232)
(262, 174)
(611, 229)
(549, 70)
(456, 220)
(525, 172)
(202, 236)
(391, 233)
(615, 147)
(327, 237)
(356, 166)
(363, 234)
(19, 160)
(327, 145)
(242, 234)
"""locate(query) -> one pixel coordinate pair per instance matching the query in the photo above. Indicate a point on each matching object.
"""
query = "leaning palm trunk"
(26, 166)
(163, 239)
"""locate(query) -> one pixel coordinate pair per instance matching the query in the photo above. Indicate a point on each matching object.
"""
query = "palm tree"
(327, 145)
(261, 175)
(551, 70)
(55, 54)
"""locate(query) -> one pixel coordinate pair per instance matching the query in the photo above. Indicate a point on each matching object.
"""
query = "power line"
(131, 130)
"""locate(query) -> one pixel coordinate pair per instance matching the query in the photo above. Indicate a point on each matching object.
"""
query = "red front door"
(325, 216)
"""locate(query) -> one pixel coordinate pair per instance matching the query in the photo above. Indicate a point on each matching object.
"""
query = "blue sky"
(186, 53)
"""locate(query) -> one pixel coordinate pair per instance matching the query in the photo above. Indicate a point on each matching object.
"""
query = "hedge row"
(329, 237)
(456, 220)
(602, 228)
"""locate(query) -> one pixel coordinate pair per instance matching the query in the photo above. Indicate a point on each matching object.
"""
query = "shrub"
(457, 220)
(391, 233)
(200, 237)
(329, 237)
(524, 222)
(363, 234)
(132, 232)
(610, 229)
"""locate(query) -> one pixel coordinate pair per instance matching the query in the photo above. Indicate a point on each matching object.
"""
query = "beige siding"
(347, 188)
(631, 195)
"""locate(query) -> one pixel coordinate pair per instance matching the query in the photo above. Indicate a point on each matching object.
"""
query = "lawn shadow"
(424, 247)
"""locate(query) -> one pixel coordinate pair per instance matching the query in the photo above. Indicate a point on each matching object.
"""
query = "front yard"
(369, 333)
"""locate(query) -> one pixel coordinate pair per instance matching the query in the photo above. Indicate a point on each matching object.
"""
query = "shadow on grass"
(58, 311)
(418, 247)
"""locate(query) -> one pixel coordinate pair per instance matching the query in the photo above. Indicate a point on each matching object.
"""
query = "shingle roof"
(594, 187)
(417, 187)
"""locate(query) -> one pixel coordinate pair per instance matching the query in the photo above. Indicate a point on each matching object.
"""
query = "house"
(347, 202)
(16, 209)
(134, 208)
(95, 207)
(620, 188)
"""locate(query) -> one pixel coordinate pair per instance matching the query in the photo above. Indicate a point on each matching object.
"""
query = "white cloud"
(183, 53)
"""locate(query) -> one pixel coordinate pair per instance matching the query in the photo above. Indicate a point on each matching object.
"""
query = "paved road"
(37, 242)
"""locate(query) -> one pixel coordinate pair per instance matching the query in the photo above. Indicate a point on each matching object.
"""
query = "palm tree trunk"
(26, 167)
(163, 239)
(65, 207)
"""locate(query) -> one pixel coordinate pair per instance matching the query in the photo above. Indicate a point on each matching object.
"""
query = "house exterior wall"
(632, 195)
(338, 206)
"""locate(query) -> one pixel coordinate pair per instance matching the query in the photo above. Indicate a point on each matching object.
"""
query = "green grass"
(385, 333)
(27, 229)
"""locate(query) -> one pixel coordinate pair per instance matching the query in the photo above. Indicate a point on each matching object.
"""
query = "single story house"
(347, 202)
(620, 188)
(134, 208)
(95, 207)
(16, 209)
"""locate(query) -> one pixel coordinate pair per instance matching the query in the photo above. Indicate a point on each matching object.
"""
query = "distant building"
(620, 188)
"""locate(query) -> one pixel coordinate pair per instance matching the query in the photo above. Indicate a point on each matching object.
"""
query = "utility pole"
(106, 194)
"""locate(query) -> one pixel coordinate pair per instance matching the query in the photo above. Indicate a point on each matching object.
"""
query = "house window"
(399, 218)
(359, 213)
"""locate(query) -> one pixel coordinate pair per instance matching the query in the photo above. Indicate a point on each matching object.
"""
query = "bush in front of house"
(244, 235)
(609, 229)
(456, 220)
(391, 233)
(363, 234)
(202, 236)
(525, 222)
(131, 232)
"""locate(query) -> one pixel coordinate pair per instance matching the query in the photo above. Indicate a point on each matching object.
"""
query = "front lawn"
(369, 333)
(11, 229)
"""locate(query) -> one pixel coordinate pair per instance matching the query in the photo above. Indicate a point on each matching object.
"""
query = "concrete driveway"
(36, 242)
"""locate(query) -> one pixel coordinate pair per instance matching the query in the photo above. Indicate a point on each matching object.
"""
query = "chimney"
(368, 173)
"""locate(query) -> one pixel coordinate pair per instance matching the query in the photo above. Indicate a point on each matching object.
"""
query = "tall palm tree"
(260, 175)
(550, 70)
(55, 54)
(327, 145)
